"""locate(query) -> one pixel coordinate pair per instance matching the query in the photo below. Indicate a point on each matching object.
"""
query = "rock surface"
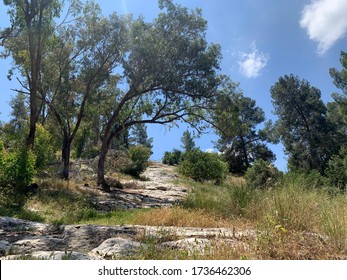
(155, 191)
(42, 241)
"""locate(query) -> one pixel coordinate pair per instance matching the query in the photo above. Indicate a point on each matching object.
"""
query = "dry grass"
(180, 217)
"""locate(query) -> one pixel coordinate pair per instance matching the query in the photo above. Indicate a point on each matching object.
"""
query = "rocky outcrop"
(156, 190)
(20, 238)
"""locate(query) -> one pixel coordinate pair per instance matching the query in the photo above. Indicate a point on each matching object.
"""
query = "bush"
(336, 171)
(262, 174)
(17, 169)
(202, 166)
(173, 158)
(44, 150)
(139, 156)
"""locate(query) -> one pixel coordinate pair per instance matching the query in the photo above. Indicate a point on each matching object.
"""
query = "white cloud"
(209, 150)
(251, 64)
(325, 22)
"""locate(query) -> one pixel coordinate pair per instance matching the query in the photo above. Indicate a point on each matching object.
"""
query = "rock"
(199, 246)
(42, 243)
(116, 248)
(15, 224)
(5, 247)
(52, 255)
(85, 238)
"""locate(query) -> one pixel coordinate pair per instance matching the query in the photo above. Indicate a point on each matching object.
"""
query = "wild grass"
(295, 220)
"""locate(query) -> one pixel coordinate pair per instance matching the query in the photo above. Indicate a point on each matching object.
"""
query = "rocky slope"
(19, 237)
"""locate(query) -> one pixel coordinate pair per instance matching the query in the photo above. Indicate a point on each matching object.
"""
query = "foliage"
(303, 127)
(175, 41)
(43, 149)
(17, 170)
(202, 166)
(140, 135)
(26, 40)
(262, 174)
(173, 158)
(187, 141)
(237, 119)
(340, 81)
(19, 113)
(337, 170)
(139, 156)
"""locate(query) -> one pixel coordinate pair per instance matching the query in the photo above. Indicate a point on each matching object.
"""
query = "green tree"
(26, 40)
(79, 61)
(236, 120)
(170, 72)
(19, 113)
(187, 141)
(338, 109)
(139, 132)
(303, 127)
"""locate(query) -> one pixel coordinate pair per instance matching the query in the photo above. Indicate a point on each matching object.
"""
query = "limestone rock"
(116, 248)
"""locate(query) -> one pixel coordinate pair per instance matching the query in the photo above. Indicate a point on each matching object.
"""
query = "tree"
(170, 72)
(187, 141)
(140, 135)
(303, 127)
(237, 118)
(32, 25)
(19, 112)
(77, 66)
(338, 109)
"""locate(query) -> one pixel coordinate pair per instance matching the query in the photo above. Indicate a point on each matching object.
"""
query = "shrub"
(44, 150)
(336, 171)
(262, 174)
(139, 156)
(17, 169)
(202, 166)
(173, 158)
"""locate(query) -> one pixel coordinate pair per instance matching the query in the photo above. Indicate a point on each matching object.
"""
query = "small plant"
(202, 166)
(139, 156)
(262, 174)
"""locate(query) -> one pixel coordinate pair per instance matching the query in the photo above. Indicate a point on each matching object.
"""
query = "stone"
(116, 248)
(199, 246)
(87, 237)
(52, 255)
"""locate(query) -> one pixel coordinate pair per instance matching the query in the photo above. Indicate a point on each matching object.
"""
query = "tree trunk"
(244, 151)
(65, 154)
(101, 168)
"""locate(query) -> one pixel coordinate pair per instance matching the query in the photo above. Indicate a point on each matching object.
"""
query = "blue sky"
(260, 40)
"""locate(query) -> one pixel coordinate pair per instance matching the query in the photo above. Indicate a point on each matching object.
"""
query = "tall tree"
(303, 127)
(32, 25)
(187, 141)
(170, 72)
(237, 118)
(80, 59)
(340, 81)
(19, 113)
(139, 132)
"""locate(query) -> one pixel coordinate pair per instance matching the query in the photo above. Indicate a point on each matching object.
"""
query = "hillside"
(159, 216)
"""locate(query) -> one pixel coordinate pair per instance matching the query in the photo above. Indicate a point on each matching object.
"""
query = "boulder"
(116, 248)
